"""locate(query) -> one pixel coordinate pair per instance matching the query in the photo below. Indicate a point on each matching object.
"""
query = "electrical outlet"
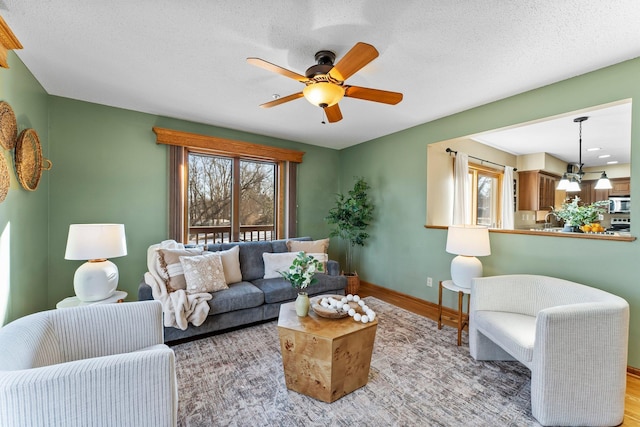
(429, 282)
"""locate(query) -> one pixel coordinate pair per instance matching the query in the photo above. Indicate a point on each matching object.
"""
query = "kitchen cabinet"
(537, 190)
(621, 187)
(588, 193)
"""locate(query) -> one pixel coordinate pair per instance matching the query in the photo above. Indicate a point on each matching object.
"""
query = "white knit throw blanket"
(179, 307)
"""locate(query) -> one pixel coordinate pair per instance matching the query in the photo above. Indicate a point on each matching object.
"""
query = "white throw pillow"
(203, 273)
(323, 258)
(276, 262)
(231, 264)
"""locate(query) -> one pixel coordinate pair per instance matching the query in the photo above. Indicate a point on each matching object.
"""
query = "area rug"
(418, 376)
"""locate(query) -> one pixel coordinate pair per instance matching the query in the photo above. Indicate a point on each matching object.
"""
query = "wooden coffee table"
(324, 358)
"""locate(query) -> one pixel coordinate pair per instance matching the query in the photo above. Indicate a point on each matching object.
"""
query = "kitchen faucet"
(547, 224)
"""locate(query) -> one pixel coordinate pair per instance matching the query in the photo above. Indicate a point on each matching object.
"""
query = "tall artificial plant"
(351, 216)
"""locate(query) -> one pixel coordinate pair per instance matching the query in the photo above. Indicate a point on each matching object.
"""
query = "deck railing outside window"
(222, 234)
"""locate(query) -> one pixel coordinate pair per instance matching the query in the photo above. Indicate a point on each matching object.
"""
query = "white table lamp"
(468, 242)
(96, 279)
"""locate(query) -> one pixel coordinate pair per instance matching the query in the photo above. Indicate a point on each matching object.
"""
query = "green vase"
(302, 304)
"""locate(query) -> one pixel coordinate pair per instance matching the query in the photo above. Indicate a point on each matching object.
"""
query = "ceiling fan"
(324, 82)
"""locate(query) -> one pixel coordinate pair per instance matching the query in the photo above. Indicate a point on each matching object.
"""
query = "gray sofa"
(254, 299)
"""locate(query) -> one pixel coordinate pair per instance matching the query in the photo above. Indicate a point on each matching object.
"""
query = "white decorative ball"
(357, 317)
(356, 298)
(352, 312)
(364, 319)
(339, 305)
(365, 308)
(371, 316)
(324, 300)
(349, 297)
(324, 304)
(344, 300)
(361, 303)
(346, 308)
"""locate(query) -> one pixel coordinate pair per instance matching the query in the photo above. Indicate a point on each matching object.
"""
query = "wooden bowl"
(329, 313)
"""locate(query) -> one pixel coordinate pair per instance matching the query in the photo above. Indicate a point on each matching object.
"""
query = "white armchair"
(573, 338)
(98, 365)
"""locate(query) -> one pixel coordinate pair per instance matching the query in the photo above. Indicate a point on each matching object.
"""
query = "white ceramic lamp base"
(95, 280)
(465, 268)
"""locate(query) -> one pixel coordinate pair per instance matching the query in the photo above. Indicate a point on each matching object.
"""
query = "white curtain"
(461, 190)
(507, 199)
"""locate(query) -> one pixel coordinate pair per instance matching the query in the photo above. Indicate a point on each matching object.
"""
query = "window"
(223, 190)
(485, 195)
(212, 203)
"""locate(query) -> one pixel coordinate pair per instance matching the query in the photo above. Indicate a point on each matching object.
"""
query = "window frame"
(474, 170)
(181, 143)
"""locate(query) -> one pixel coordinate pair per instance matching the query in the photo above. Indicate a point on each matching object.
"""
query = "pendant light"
(570, 180)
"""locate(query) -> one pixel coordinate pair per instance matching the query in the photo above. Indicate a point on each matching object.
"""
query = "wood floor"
(428, 309)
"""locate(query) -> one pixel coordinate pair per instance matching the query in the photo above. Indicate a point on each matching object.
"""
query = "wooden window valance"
(8, 41)
(228, 147)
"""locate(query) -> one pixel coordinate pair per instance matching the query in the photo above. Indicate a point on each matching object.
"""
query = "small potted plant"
(576, 215)
(301, 274)
(351, 216)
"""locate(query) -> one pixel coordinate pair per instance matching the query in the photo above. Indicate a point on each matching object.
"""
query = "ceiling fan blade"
(359, 56)
(333, 113)
(277, 69)
(375, 95)
(282, 100)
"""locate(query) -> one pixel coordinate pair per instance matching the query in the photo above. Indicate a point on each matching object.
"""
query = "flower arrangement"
(575, 214)
(302, 271)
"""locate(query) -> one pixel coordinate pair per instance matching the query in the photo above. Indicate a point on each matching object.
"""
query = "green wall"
(24, 214)
(402, 253)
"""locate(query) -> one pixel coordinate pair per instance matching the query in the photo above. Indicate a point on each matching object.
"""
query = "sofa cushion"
(514, 332)
(280, 290)
(315, 246)
(275, 263)
(203, 273)
(171, 269)
(231, 264)
(251, 263)
(239, 296)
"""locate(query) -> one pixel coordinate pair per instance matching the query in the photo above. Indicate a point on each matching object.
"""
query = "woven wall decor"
(8, 126)
(29, 161)
(5, 180)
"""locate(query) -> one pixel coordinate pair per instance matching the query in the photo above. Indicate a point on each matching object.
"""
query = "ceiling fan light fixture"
(323, 94)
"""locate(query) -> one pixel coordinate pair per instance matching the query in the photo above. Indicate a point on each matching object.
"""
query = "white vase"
(302, 304)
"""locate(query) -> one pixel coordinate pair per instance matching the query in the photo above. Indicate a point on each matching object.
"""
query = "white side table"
(462, 318)
(118, 296)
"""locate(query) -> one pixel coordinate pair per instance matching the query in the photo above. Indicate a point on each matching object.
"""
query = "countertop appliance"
(620, 204)
(620, 225)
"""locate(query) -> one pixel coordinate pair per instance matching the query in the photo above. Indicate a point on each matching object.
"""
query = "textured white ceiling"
(186, 59)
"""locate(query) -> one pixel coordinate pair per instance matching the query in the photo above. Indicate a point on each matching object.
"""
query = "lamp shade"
(323, 94)
(95, 241)
(468, 240)
(573, 186)
(603, 183)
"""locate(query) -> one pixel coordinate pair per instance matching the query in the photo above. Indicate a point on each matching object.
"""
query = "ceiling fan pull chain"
(323, 122)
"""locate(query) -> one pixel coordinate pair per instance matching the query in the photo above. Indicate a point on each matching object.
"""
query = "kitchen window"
(485, 195)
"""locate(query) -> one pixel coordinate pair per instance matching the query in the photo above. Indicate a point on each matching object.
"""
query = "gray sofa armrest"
(144, 291)
(333, 268)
